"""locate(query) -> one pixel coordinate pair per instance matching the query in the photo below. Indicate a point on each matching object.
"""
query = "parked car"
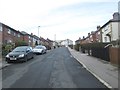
(39, 49)
(21, 53)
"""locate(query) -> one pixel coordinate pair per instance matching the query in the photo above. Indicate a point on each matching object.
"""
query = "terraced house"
(0, 39)
(107, 33)
(10, 35)
(110, 30)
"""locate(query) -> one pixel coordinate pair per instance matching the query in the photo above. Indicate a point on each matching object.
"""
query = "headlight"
(22, 55)
(7, 56)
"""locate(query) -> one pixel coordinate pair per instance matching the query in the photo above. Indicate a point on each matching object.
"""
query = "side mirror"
(28, 50)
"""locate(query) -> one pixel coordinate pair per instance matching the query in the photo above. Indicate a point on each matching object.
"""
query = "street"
(55, 69)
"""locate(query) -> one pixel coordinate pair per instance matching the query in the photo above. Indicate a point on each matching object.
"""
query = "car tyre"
(25, 60)
(33, 56)
(8, 62)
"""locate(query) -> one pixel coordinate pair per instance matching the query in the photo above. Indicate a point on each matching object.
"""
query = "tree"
(20, 43)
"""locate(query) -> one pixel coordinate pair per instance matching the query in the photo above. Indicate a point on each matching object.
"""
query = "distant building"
(36, 40)
(50, 43)
(66, 42)
(27, 38)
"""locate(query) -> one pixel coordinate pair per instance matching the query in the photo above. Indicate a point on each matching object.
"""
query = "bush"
(90, 46)
(20, 43)
(71, 46)
(77, 47)
(93, 45)
(6, 49)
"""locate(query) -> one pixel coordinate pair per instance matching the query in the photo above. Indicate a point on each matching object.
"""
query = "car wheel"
(8, 62)
(32, 56)
(25, 60)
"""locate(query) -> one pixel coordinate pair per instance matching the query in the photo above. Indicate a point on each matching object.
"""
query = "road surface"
(55, 69)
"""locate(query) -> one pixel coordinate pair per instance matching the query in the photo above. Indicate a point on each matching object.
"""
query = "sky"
(58, 19)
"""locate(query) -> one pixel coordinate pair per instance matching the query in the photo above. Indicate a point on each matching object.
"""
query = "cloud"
(65, 18)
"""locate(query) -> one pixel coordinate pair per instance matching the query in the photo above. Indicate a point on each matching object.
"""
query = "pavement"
(3, 63)
(104, 71)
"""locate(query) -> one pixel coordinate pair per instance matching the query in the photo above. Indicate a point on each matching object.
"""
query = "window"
(9, 31)
(105, 39)
(14, 34)
(18, 35)
(29, 37)
(107, 27)
(29, 41)
(0, 27)
(98, 32)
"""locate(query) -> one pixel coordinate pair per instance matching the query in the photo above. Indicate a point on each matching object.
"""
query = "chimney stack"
(98, 27)
(88, 34)
(92, 32)
(83, 37)
(116, 16)
(32, 34)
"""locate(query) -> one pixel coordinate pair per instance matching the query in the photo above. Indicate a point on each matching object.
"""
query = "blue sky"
(66, 18)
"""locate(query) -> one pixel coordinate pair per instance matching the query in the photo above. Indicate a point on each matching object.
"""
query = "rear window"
(39, 47)
(20, 49)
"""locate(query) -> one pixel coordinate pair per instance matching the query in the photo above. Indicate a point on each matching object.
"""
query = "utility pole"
(38, 35)
(38, 30)
(55, 41)
(55, 37)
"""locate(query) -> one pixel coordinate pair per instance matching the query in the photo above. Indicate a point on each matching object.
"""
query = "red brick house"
(98, 35)
(0, 34)
(0, 40)
(10, 35)
(27, 38)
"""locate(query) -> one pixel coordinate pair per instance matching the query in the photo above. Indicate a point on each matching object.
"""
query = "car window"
(38, 47)
(20, 49)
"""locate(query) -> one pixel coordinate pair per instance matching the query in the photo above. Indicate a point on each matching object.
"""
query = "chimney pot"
(98, 27)
(116, 16)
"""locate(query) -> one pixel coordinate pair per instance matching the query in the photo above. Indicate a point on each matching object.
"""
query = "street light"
(38, 30)
(38, 34)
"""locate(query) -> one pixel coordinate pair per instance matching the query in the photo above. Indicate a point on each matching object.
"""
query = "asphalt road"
(55, 69)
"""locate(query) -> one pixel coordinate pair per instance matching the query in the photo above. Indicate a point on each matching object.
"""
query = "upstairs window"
(9, 31)
(105, 39)
(14, 34)
(18, 35)
(29, 37)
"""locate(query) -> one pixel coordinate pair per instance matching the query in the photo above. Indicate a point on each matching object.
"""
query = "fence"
(100, 52)
(115, 55)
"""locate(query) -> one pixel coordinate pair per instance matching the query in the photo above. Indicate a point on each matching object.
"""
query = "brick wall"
(12, 36)
(0, 44)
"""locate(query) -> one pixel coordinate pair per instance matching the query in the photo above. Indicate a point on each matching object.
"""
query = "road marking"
(101, 80)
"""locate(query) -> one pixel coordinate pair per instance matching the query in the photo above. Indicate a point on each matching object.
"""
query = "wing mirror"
(28, 50)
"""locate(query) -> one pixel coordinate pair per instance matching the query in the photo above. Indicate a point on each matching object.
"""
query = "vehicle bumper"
(19, 59)
(37, 52)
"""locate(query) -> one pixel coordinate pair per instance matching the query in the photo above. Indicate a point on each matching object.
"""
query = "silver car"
(39, 49)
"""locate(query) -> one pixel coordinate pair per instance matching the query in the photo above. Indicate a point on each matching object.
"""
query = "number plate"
(12, 58)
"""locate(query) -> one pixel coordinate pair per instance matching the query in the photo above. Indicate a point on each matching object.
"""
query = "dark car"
(21, 53)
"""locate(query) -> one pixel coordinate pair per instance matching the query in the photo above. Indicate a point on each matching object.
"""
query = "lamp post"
(38, 30)
(38, 35)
